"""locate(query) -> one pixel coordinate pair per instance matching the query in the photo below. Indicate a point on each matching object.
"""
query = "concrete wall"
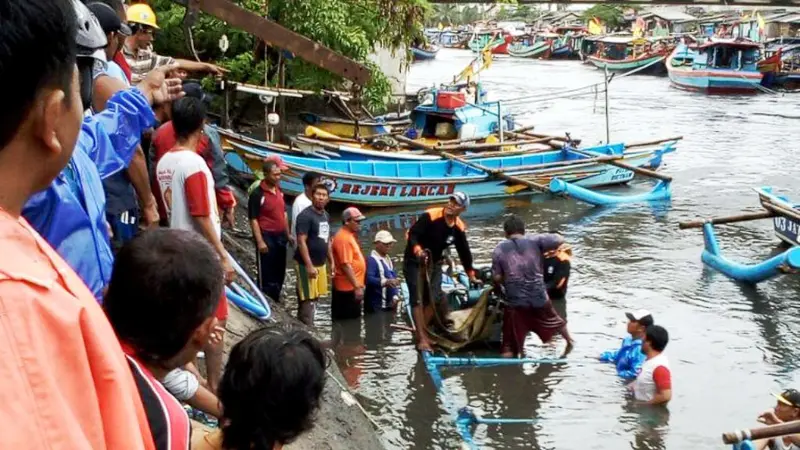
(394, 66)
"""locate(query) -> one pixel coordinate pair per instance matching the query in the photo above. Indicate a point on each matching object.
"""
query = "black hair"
(657, 336)
(319, 186)
(271, 389)
(268, 166)
(188, 114)
(311, 178)
(165, 283)
(37, 50)
(514, 225)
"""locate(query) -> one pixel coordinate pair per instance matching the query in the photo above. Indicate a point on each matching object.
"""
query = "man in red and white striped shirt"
(187, 189)
(653, 385)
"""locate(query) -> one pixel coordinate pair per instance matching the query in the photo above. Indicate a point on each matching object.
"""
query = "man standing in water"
(303, 201)
(433, 232)
(653, 385)
(313, 234)
(348, 281)
(786, 410)
(517, 270)
(629, 357)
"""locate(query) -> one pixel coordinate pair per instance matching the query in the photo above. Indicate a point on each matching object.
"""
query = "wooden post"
(724, 220)
(783, 429)
(608, 124)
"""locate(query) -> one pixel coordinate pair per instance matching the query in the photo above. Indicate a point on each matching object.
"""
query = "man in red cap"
(266, 210)
(351, 267)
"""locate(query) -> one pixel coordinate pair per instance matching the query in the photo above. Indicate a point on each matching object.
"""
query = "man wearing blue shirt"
(382, 291)
(629, 357)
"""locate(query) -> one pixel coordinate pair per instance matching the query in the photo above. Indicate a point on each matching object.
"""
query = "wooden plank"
(278, 36)
(729, 219)
(783, 429)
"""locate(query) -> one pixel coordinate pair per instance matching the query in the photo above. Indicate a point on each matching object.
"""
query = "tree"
(351, 27)
(611, 15)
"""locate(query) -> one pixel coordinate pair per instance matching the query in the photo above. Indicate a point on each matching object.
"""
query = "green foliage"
(611, 15)
(350, 27)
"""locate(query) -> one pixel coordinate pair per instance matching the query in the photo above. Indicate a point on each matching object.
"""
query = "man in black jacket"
(434, 231)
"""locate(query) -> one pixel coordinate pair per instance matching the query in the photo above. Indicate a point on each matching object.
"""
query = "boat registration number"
(621, 174)
(788, 228)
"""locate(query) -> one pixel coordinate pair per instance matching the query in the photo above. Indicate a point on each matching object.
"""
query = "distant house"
(674, 21)
(709, 25)
(777, 24)
(558, 18)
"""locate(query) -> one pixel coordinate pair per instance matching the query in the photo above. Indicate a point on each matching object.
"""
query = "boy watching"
(164, 289)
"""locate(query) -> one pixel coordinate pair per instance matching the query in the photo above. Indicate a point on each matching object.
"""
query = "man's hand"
(769, 418)
(150, 215)
(292, 240)
(312, 272)
(422, 256)
(227, 269)
(359, 293)
(262, 247)
(216, 70)
(159, 89)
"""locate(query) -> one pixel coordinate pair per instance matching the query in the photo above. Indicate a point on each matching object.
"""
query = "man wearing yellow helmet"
(138, 49)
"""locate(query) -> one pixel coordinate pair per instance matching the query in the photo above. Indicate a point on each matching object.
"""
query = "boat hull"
(382, 191)
(347, 128)
(787, 228)
(423, 55)
(529, 51)
(652, 63)
(713, 81)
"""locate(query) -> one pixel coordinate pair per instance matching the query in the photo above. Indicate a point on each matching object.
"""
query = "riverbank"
(338, 425)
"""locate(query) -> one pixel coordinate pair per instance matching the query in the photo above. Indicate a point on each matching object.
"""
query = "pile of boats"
(454, 140)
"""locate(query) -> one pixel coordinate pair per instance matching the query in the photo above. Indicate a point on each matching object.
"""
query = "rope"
(353, 401)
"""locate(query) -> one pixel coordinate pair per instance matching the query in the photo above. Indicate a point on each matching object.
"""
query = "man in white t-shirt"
(303, 201)
(187, 189)
(653, 385)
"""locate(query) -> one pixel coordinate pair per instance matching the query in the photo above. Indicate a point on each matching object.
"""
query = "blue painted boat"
(452, 112)
(383, 183)
(423, 54)
(781, 63)
(787, 219)
(719, 66)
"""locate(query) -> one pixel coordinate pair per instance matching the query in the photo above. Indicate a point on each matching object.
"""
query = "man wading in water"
(517, 269)
(435, 230)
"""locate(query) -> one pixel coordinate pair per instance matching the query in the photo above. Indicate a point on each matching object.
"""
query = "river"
(730, 345)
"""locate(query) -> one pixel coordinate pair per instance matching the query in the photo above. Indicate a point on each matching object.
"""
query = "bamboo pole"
(725, 220)
(754, 434)
(473, 139)
(634, 169)
(658, 141)
(780, 210)
(485, 146)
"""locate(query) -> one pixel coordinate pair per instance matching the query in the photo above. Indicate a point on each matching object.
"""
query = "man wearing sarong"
(517, 270)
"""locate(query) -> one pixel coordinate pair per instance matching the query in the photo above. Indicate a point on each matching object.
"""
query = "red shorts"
(519, 321)
(225, 199)
(222, 308)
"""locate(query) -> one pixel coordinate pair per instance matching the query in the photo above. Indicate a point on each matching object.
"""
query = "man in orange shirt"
(65, 380)
(351, 268)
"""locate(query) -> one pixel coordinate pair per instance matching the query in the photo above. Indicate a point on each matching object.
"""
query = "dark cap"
(461, 199)
(789, 397)
(108, 18)
(192, 89)
(641, 316)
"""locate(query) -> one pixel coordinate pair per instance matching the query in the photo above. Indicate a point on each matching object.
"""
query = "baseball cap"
(193, 89)
(384, 237)
(642, 316)
(789, 397)
(108, 19)
(277, 160)
(352, 213)
(460, 198)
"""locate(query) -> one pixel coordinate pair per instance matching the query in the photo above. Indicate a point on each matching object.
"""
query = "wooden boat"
(347, 127)
(787, 215)
(382, 183)
(498, 41)
(588, 47)
(527, 46)
(424, 53)
(781, 63)
(619, 53)
(452, 39)
(719, 66)
(569, 40)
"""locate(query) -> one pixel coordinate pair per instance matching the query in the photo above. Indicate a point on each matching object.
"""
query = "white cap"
(384, 237)
(642, 316)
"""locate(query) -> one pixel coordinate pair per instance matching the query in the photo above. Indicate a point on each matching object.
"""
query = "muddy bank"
(338, 425)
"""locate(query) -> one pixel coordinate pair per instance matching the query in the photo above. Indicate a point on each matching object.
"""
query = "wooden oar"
(730, 219)
(646, 143)
(489, 171)
(634, 169)
(754, 434)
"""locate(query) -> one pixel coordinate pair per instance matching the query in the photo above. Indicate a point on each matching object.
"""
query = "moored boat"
(453, 39)
(787, 215)
(497, 41)
(626, 53)
(382, 183)
(527, 46)
(781, 63)
(424, 53)
(347, 127)
(719, 66)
